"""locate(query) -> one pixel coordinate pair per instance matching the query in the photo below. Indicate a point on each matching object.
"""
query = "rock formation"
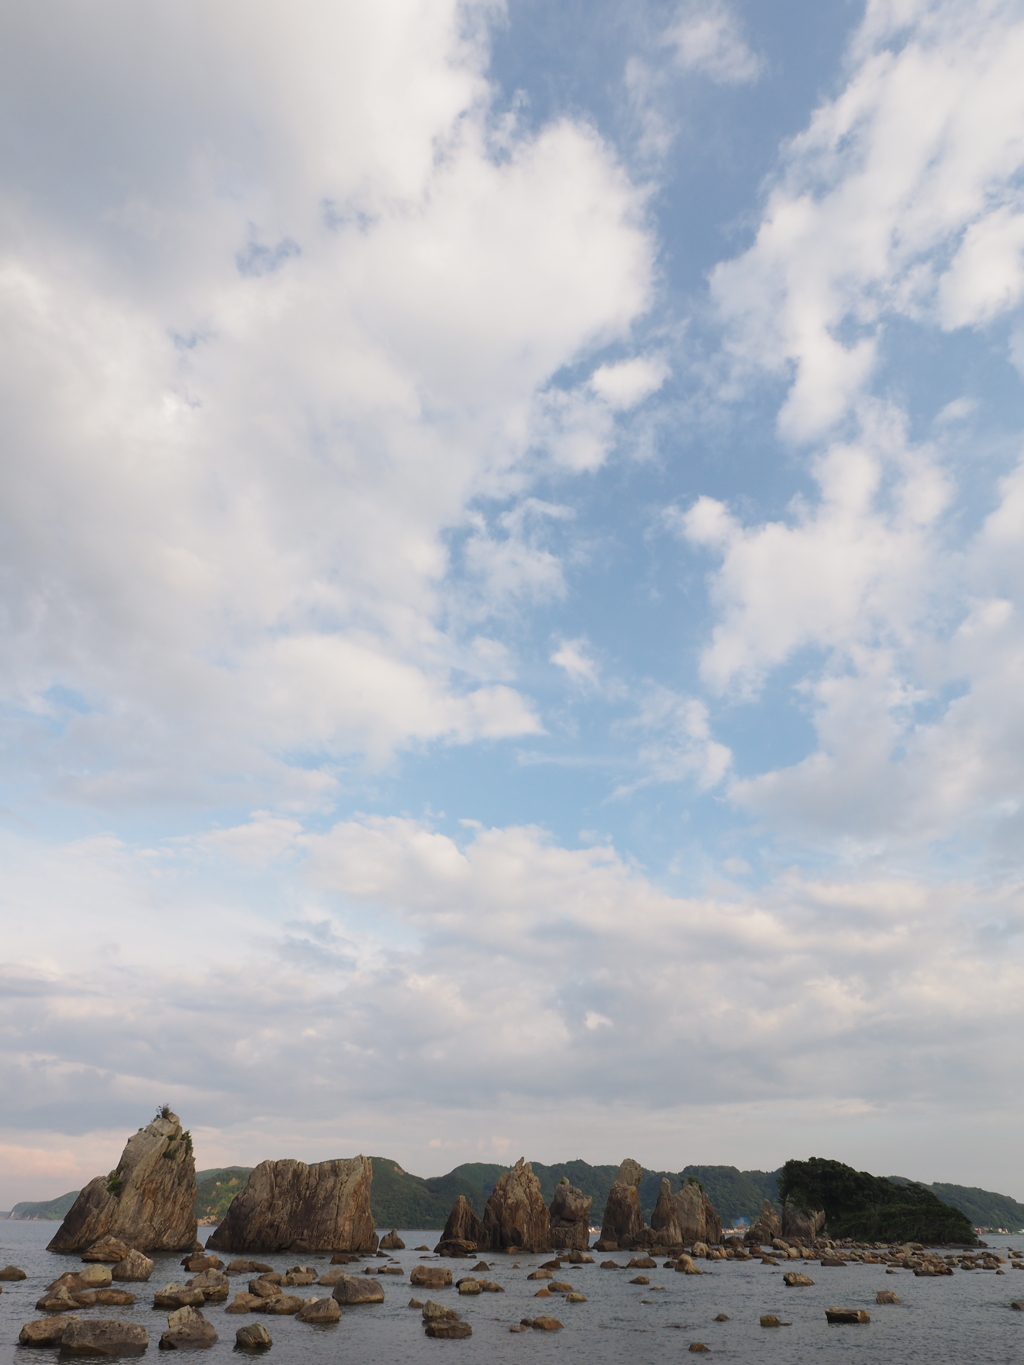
(289, 1206)
(463, 1229)
(684, 1218)
(391, 1241)
(767, 1227)
(798, 1226)
(570, 1218)
(516, 1215)
(623, 1224)
(147, 1200)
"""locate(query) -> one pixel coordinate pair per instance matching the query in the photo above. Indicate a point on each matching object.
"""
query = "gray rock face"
(187, 1330)
(798, 1226)
(516, 1215)
(570, 1218)
(289, 1206)
(684, 1218)
(359, 1289)
(44, 1331)
(767, 1228)
(103, 1337)
(146, 1201)
(623, 1222)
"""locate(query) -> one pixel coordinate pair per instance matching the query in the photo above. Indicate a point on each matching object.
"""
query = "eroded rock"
(187, 1330)
(359, 1289)
(287, 1205)
(253, 1337)
(570, 1217)
(103, 1337)
(623, 1224)
(44, 1331)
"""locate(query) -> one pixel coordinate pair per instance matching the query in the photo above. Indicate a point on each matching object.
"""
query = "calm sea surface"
(955, 1319)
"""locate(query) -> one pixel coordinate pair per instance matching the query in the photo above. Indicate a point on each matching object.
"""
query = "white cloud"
(231, 488)
(627, 383)
(575, 657)
(901, 199)
(680, 745)
(707, 37)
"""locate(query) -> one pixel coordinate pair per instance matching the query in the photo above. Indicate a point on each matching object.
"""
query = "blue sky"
(512, 582)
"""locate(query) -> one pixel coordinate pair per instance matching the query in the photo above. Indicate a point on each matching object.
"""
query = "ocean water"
(955, 1319)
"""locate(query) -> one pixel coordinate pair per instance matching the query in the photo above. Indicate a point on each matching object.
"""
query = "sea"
(965, 1317)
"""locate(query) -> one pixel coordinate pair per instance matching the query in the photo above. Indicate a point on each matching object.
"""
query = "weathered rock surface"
(104, 1337)
(282, 1305)
(391, 1242)
(12, 1272)
(57, 1301)
(840, 1315)
(768, 1227)
(463, 1230)
(437, 1312)
(796, 1280)
(111, 1298)
(623, 1222)
(134, 1268)
(253, 1337)
(887, 1296)
(685, 1217)
(177, 1295)
(359, 1289)
(516, 1215)
(187, 1330)
(107, 1249)
(44, 1331)
(243, 1303)
(448, 1331)
(289, 1206)
(147, 1199)
(212, 1284)
(92, 1277)
(570, 1217)
(430, 1276)
(798, 1226)
(319, 1311)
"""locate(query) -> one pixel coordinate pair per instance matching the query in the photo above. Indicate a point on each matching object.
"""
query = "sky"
(512, 582)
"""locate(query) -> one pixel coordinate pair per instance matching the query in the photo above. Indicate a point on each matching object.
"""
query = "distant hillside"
(982, 1207)
(51, 1210)
(216, 1188)
(871, 1207)
(737, 1194)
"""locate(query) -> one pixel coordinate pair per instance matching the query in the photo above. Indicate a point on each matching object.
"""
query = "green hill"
(870, 1207)
(984, 1208)
(216, 1188)
(52, 1210)
(734, 1193)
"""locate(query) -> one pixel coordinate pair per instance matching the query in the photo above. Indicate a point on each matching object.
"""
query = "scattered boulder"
(44, 1331)
(212, 1284)
(287, 1205)
(641, 1263)
(111, 1298)
(516, 1215)
(266, 1288)
(570, 1217)
(796, 1280)
(198, 1261)
(437, 1312)
(331, 1276)
(359, 1289)
(470, 1287)
(187, 1330)
(106, 1249)
(430, 1276)
(769, 1320)
(575, 1298)
(623, 1222)
(133, 1268)
(240, 1266)
(319, 1311)
(243, 1303)
(887, 1296)
(104, 1337)
(147, 1201)
(840, 1315)
(281, 1305)
(12, 1272)
(253, 1337)
(1016, 1304)
(698, 1346)
(545, 1324)
(448, 1331)
(640, 1279)
(721, 1317)
(59, 1301)
(578, 1257)
(541, 1274)
(392, 1242)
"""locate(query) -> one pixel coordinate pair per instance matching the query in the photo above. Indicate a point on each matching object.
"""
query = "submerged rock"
(147, 1201)
(288, 1205)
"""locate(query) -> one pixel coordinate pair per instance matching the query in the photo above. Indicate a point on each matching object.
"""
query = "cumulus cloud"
(707, 37)
(901, 199)
(251, 393)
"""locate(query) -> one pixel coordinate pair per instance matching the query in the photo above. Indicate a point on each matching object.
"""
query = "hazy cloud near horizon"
(512, 589)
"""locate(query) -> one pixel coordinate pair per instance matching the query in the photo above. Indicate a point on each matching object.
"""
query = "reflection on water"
(951, 1319)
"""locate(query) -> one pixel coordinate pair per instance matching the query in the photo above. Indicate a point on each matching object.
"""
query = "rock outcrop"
(798, 1226)
(767, 1227)
(570, 1218)
(391, 1242)
(289, 1206)
(516, 1215)
(684, 1218)
(146, 1201)
(463, 1230)
(623, 1224)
